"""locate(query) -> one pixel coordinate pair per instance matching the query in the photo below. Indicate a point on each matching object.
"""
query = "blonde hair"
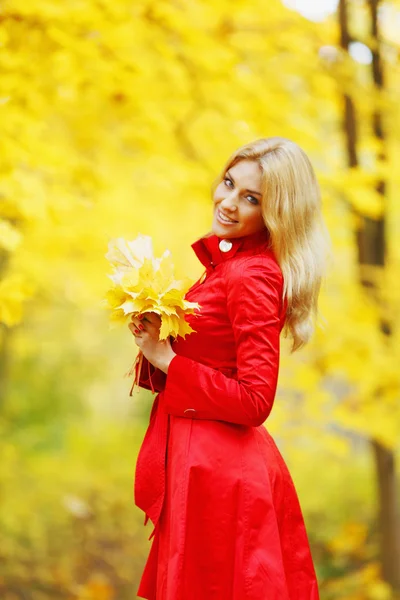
(299, 239)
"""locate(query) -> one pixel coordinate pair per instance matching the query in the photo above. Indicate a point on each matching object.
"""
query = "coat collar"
(208, 251)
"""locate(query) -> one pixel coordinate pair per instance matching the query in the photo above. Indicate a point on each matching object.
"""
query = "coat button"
(225, 245)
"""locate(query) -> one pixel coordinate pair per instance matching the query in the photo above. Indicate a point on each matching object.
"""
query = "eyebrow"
(251, 191)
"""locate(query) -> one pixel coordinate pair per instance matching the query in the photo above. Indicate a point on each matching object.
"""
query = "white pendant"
(225, 245)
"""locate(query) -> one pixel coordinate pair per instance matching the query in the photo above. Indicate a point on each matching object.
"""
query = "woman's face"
(238, 199)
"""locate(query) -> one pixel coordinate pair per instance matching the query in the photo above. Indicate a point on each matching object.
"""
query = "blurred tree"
(115, 118)
(372, 251)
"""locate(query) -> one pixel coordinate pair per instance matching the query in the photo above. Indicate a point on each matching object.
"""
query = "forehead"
(247, 173)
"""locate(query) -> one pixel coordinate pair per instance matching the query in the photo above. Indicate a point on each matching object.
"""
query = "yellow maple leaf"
(143, 283)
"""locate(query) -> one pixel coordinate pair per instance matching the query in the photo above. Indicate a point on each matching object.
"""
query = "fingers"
(134, 329)
(148, 322)
(152, 318)
(138, 324)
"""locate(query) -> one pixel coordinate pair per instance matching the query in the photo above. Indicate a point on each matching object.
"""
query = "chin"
(221, 232)
(218, 229)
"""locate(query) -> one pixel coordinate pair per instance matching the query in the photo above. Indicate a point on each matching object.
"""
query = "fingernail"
(141, 326)
(140, 316)
(137, 331)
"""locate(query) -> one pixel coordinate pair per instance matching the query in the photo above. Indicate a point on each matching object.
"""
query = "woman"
(227, 520)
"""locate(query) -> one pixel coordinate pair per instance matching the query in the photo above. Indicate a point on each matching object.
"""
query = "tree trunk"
(384, 457)
(371, 244)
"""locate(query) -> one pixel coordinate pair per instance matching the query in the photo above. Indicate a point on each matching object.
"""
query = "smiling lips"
(224, 218)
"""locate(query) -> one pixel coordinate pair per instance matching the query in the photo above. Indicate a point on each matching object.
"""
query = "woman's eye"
(228, 182)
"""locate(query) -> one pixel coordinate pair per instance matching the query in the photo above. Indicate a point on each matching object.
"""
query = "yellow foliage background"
(115, 118)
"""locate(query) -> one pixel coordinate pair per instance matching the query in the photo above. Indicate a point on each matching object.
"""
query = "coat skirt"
(227, 520)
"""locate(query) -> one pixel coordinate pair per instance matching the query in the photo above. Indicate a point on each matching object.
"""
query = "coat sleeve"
(148, 372)
(197, 391)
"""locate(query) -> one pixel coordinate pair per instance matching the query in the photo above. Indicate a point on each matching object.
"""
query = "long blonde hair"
(299, 239)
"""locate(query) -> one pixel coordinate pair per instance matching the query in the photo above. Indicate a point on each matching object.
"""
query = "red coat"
(228, 524)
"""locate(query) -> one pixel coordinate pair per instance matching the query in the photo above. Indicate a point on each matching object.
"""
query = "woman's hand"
(146, 331)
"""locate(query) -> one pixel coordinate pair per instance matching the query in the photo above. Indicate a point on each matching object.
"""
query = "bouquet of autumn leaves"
(143, 283)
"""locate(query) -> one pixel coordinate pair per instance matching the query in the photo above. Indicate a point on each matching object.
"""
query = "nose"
(229, 203)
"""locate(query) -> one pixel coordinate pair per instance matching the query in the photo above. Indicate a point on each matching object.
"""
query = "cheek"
(254, 215)
(249, 210)
(219, 192)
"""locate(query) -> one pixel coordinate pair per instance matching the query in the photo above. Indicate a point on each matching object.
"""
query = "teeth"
(225, 218)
